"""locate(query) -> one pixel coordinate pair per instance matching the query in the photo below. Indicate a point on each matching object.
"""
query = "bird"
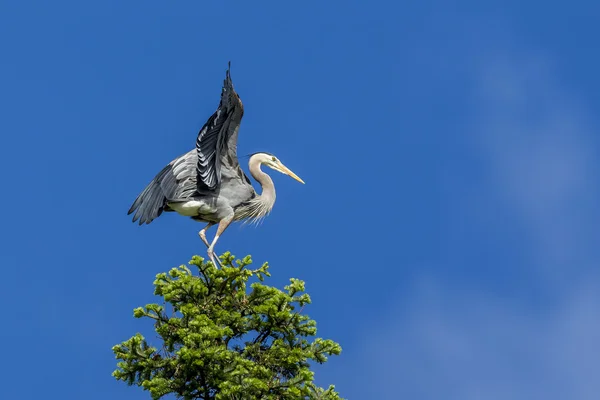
(207, 183)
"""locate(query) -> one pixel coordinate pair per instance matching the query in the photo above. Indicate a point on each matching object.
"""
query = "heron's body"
(178, 187)
(207, 183)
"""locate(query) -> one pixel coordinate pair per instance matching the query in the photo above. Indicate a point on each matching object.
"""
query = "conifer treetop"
(222, 337)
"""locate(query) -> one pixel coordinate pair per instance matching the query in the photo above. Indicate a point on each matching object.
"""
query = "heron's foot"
(211, 255)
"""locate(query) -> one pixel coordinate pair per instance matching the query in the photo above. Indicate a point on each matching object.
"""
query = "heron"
(207, 183)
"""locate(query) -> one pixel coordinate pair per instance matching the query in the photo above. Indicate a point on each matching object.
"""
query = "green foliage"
(225, 339)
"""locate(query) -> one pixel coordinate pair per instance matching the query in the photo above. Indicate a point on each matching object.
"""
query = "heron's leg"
(223, 224)
(202, 233)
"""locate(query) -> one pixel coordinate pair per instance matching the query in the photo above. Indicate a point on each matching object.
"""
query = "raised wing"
(217, 140)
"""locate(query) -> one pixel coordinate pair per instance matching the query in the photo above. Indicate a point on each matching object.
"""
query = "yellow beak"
(285, 170)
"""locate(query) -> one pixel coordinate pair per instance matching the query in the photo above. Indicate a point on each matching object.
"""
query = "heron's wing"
(176, 181)
(217, 140)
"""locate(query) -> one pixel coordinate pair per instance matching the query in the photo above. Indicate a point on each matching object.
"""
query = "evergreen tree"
(223, 338)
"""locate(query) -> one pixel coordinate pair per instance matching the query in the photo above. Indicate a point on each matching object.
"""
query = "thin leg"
(223, 224)
(202, 233)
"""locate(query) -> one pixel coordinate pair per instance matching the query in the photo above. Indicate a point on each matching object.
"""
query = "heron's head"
(273, 162)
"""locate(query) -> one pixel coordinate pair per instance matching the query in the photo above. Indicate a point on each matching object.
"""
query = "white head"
(273, 162)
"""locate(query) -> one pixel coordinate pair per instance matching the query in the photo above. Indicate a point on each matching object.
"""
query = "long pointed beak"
(287, 171)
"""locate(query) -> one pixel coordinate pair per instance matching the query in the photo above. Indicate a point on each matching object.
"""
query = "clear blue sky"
(448, 228)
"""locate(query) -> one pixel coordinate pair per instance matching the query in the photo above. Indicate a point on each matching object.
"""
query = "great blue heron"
(207, 183)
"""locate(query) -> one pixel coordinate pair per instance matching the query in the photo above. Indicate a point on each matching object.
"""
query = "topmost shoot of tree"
(223, 341)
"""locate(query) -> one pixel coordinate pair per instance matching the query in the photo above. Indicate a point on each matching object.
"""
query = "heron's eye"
(274, 159)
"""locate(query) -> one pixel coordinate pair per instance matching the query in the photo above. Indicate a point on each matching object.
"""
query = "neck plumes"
(260, 206)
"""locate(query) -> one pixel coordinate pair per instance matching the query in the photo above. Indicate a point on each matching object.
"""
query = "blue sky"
(448, 228)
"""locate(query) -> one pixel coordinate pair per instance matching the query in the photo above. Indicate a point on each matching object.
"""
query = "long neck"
(267, 197)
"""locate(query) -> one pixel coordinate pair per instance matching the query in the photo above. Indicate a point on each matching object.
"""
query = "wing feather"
(217, 140)
(199, 170)
(176, 181)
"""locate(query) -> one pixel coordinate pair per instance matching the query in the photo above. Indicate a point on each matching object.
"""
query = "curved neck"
(268, 188)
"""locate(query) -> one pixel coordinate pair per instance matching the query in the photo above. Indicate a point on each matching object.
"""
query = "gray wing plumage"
(217, 140)
(176, 182)
(201, 171)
